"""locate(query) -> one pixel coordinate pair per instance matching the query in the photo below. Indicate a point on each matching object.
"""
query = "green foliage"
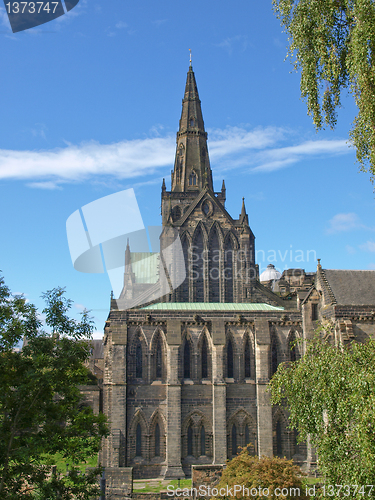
(333, 43)
(330, 394)
(40, 403)
(271, 473)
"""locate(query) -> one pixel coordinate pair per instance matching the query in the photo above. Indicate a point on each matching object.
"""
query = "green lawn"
(152, 486)
(61, 462)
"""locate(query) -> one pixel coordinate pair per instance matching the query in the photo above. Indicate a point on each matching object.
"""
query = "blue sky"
(90, 106)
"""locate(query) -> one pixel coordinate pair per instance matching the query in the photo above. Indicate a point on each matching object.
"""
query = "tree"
(330, 394)
(250, 472)
(333, 42)
(40, 403)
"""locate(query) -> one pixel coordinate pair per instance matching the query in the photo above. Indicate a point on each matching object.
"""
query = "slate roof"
(97, 349)
(351, 287)
(211, 306)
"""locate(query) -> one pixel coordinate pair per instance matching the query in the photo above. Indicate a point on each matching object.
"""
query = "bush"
(253, 473)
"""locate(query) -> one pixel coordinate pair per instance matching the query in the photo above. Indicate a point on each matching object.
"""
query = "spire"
(129, 276)
(192, 171)
(243, 215)
(127, 257)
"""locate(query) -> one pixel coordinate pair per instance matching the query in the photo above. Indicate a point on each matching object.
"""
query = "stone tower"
(219, 251)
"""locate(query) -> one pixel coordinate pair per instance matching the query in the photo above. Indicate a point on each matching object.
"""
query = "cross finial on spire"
(190, 56)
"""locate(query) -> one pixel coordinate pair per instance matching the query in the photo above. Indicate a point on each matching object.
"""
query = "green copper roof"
(215, 306)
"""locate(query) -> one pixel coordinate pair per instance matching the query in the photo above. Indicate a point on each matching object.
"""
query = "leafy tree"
(333, 42)
(40, 402)
(251, 472)
(330, 394)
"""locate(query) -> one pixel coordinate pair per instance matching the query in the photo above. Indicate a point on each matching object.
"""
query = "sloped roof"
(351, 287)
(211, 306)
(97, 349)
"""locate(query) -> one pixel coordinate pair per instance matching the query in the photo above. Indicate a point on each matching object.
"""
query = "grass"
(312, 480)
(60, 462)
(153, 487)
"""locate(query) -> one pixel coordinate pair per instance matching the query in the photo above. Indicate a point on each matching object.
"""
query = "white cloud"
(350, 249)
(348, 222)
(234, 140)
(80, 307)
(48, 185)
(277, 158)
(369, 246)
(344, 222)
(124, 160)
(121, 25)
(229, 43)
(275, 165)
(256, 150)
(4, 20)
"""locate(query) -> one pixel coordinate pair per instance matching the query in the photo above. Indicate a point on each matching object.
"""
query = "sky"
(90, 106)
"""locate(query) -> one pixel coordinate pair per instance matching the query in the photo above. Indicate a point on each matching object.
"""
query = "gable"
(351, 287)
(207, 208)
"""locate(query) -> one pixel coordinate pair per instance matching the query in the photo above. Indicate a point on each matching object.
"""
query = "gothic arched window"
(279, 448)
(228, 271)
(204, 359)
(183, 290)
(247, 435)
(292, 347)
(234, 440)
(187, 359)
(203, 441)
(193, 179)
(190, 441)
(198, 262)
(159, 362)
(157, 440)
(247, 359)
(230, 360)
(138, 360)
(213, 268)
(138, 441)
(274, 360)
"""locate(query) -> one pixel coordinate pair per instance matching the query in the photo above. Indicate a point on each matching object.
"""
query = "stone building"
(185, 378)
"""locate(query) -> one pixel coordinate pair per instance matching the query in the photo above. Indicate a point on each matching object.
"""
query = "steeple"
(192, 171)
(127, 257)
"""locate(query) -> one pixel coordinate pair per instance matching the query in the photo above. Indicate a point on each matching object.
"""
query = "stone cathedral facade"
(185, 378)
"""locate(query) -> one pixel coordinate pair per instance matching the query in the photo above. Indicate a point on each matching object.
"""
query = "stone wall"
(119, 483)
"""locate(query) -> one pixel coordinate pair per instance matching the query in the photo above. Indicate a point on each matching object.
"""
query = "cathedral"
(185, 376)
